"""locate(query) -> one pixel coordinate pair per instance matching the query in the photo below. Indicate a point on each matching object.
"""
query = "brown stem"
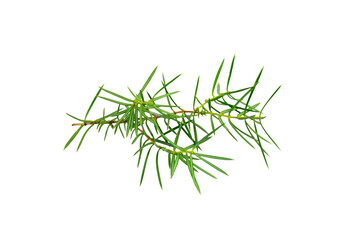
(151, 140)
(175, 112)
(115, 121)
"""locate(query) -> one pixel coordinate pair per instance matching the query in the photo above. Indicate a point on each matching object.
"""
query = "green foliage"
(140, 117)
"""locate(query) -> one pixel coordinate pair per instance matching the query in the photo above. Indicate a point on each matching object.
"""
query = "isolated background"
(55, 54)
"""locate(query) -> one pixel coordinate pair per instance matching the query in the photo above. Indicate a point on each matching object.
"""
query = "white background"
(55, 54)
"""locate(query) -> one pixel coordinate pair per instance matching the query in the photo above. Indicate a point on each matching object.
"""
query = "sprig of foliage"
(140, 117)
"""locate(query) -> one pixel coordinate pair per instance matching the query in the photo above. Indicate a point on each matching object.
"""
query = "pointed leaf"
(203, 170)
(231, 68)
(212, 123)
(195, 132)
(174, 164)
(269, 136)
(269, 100)
(83, 137)
(167, 84)
(196, 89)
(144, 167)
(217, 76)
(162, 96)
(157, 168)
(262, 150)
(117, 95)
(114, 101)
(135, 96)
(212, 156)
(107, 129)
(189, 162)
(73, 136)
(77, 118)
(210, 164)
(253, 88)
(148, 80)
(92, 103)
(140, 151)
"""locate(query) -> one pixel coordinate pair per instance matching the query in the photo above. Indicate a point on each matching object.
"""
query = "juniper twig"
(140, 117)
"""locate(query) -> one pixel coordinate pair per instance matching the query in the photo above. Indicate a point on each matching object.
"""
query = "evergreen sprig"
(159, 125)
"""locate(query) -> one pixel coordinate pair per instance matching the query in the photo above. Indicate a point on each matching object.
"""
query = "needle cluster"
(157, 122)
